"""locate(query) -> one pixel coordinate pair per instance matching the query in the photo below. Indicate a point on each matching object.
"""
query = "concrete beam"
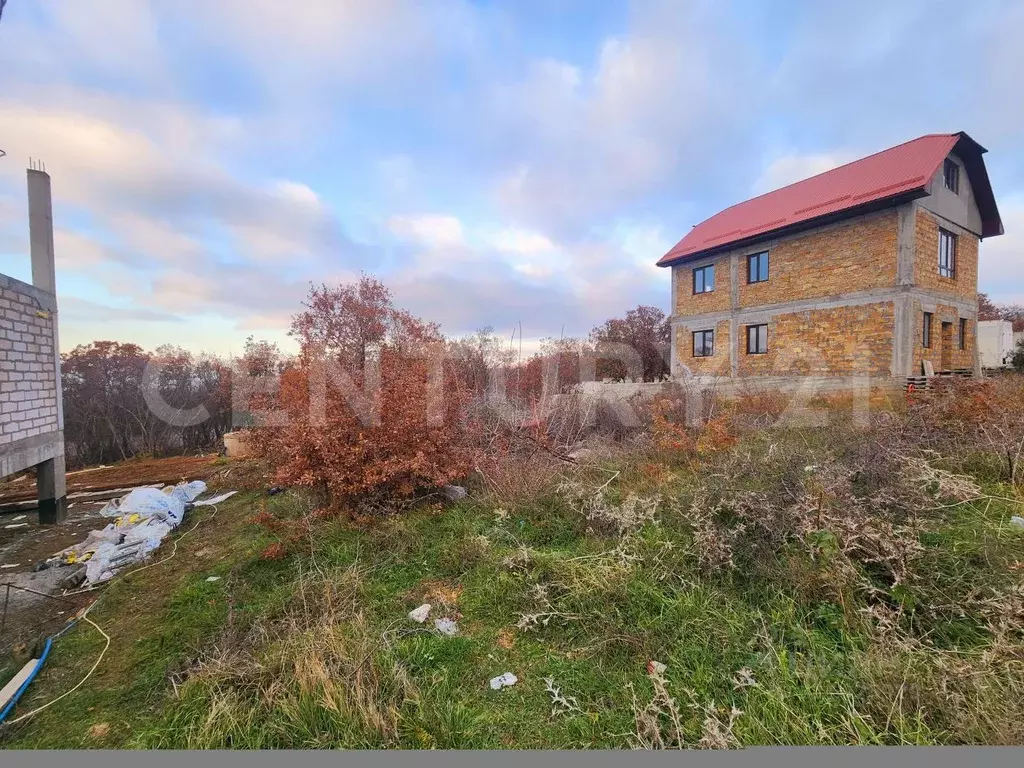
(29, 452)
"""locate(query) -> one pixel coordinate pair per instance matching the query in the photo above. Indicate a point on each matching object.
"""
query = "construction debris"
(143, 518)
(214, 500)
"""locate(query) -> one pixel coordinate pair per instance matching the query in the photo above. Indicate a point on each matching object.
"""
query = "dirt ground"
(126, 474)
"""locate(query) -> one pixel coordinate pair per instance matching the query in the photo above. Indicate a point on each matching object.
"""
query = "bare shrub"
(659, 724)
(629, 515)
(975, 416)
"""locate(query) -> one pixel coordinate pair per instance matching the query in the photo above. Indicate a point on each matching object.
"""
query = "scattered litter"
(16, 525)
(10, 565)
(446, 627)
(274, 490)
(655, 667)
(19, 517)
(503, 681)
(213, 578)
(454, 492)
(215, 500)
(1017, 522)
(420, 614)
(811, 468)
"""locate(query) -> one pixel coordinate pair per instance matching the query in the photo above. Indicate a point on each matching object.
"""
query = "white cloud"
(645, 120)
(516, 240)
(431, 230)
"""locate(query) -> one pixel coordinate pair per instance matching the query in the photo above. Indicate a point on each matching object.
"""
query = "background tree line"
(107, 391)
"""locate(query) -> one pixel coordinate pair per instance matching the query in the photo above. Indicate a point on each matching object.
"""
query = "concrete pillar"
(51, 483)
(40, 231)
(51, 489)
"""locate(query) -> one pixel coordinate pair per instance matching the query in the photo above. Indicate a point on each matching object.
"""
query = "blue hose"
(31, 677)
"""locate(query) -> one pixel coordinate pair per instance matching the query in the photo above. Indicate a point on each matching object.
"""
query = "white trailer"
(995, 343)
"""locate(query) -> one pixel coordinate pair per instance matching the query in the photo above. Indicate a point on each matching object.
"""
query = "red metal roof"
(903, 169)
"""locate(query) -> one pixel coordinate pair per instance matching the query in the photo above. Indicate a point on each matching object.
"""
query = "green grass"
(316, 651)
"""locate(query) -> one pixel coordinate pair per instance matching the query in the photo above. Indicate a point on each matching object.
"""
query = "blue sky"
(493, 162)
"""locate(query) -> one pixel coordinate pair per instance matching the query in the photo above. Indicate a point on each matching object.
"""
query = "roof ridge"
(902, 169)
(830, 170)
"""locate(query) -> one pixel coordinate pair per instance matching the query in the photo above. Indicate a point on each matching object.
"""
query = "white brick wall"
(28, 371)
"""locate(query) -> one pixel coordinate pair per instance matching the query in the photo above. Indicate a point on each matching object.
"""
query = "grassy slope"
(315, 650)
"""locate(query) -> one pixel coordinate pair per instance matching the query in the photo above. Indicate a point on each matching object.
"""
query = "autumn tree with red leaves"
(646, 333)
(374, 410)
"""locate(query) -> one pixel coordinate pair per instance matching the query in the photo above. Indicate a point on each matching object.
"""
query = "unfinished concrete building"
(31, 412)
(867, 271)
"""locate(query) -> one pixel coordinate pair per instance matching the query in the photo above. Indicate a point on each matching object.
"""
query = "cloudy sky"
(493, 162)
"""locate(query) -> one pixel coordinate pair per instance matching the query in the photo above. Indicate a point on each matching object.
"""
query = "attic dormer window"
(951, 176)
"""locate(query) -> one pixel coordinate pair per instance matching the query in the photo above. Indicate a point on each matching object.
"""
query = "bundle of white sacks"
(144, 517)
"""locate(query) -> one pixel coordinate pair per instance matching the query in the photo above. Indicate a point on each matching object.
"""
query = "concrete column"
(40, 231)
(51, 483)
(734, 322)
(51, 489)
(906, 234)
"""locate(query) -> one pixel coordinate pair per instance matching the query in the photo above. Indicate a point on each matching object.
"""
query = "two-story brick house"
(865, 270)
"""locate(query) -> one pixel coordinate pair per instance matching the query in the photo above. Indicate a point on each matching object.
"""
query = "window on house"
(703, 343)
(963, 333)
(757, 339)
(947, 253)
(704, 279)
(757, 267)
(926, 331)
(951, 176)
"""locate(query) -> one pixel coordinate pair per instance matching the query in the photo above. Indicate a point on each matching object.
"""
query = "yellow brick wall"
(926, 257)
(717, 364)
(850, 257)
(956, 358)
(719, 300)
(843, 341)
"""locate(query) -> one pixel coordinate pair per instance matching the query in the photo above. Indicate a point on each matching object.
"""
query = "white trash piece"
(1017, 522)
(213, 578)
(454, 492)
(420, 614)
(446, 626)
(503, 681)
(655, 667)
(214, 500)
